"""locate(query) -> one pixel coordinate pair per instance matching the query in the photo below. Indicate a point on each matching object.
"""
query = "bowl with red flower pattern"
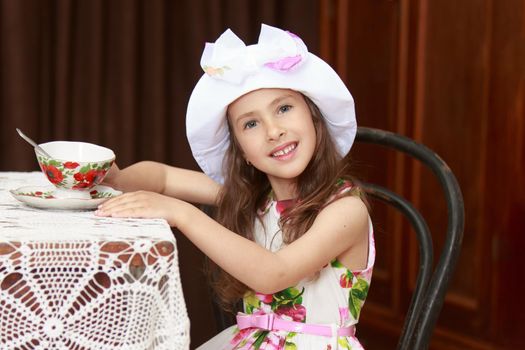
(75, 167)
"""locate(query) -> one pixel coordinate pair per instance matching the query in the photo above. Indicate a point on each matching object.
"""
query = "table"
(72, 280)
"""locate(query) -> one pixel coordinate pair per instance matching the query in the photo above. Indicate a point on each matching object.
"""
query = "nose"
(274, 130)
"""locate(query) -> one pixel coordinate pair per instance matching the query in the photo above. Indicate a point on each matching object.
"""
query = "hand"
(141, 204)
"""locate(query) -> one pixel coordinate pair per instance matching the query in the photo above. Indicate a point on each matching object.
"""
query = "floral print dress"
(334, 297)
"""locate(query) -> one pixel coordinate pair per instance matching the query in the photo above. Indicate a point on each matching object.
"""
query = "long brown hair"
(246, 189)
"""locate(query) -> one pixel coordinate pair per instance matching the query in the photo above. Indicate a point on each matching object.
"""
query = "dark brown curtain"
(119, 73)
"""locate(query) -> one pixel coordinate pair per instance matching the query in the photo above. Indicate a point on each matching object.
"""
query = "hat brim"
(206, 124)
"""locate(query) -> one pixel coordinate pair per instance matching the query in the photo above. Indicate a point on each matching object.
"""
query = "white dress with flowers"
(334, 297)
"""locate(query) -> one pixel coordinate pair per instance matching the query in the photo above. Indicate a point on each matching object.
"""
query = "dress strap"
(273, 322)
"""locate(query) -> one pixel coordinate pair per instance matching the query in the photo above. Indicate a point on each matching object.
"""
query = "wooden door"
(450, 74)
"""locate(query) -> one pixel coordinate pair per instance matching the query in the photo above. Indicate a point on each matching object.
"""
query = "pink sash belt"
(271, 323)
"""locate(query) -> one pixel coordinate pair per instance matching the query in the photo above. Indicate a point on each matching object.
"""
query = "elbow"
(272, 282)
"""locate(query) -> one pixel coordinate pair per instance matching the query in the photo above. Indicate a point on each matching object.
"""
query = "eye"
(285, 108)
(250, 124)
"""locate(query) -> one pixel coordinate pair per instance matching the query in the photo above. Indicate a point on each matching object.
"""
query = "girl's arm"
(188, 185)
(340, 230)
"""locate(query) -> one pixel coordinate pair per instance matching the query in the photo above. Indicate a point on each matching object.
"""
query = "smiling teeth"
(284, 151)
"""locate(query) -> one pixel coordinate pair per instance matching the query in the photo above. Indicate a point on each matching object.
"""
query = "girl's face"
(276, 134)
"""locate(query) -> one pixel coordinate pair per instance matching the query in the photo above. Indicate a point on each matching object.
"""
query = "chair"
(431, 284)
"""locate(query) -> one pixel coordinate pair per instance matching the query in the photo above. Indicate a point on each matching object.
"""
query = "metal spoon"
(33, 143)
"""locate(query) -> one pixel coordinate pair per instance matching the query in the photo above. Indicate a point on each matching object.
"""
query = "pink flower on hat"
(229, 59)
(284, 64)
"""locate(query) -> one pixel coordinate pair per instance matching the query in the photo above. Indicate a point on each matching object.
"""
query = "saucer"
(42, 197)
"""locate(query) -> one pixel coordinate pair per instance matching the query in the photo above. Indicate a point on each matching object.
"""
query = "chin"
(289, 175)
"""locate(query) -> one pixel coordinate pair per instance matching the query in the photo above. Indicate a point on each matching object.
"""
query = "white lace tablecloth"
(71, 280)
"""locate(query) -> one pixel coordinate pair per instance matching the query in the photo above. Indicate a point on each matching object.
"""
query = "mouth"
(283, 151)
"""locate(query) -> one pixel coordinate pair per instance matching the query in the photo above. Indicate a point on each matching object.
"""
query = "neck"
(284, 189)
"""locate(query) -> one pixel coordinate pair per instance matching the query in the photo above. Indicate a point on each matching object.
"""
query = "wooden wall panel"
(453, 122)
(451, 75)
(375, 106)
(505, 171)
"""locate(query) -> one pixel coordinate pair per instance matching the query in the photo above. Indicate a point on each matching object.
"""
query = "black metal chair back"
(431, 284)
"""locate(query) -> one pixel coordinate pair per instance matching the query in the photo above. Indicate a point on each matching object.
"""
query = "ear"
(246, 159)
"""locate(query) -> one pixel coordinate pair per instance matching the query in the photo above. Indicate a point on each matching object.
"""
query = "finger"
(131, 212)
(125, 210)
(117, 201)
(132, 200)
(119, 206)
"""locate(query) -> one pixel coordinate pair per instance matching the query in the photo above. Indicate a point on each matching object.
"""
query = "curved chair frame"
(431, 285)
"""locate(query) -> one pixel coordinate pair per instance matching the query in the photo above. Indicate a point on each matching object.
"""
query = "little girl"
(268, 124)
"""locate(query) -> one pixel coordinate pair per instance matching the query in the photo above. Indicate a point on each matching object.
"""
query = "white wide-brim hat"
(280, 59)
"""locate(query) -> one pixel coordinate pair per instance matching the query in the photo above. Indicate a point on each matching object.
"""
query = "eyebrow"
(279, 99)
(276, 101)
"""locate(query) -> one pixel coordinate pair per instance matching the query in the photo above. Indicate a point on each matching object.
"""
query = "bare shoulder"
(340, 231)
(347, 220)
(349, 210)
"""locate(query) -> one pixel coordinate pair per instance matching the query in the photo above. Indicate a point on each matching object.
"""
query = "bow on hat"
(229, 59)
